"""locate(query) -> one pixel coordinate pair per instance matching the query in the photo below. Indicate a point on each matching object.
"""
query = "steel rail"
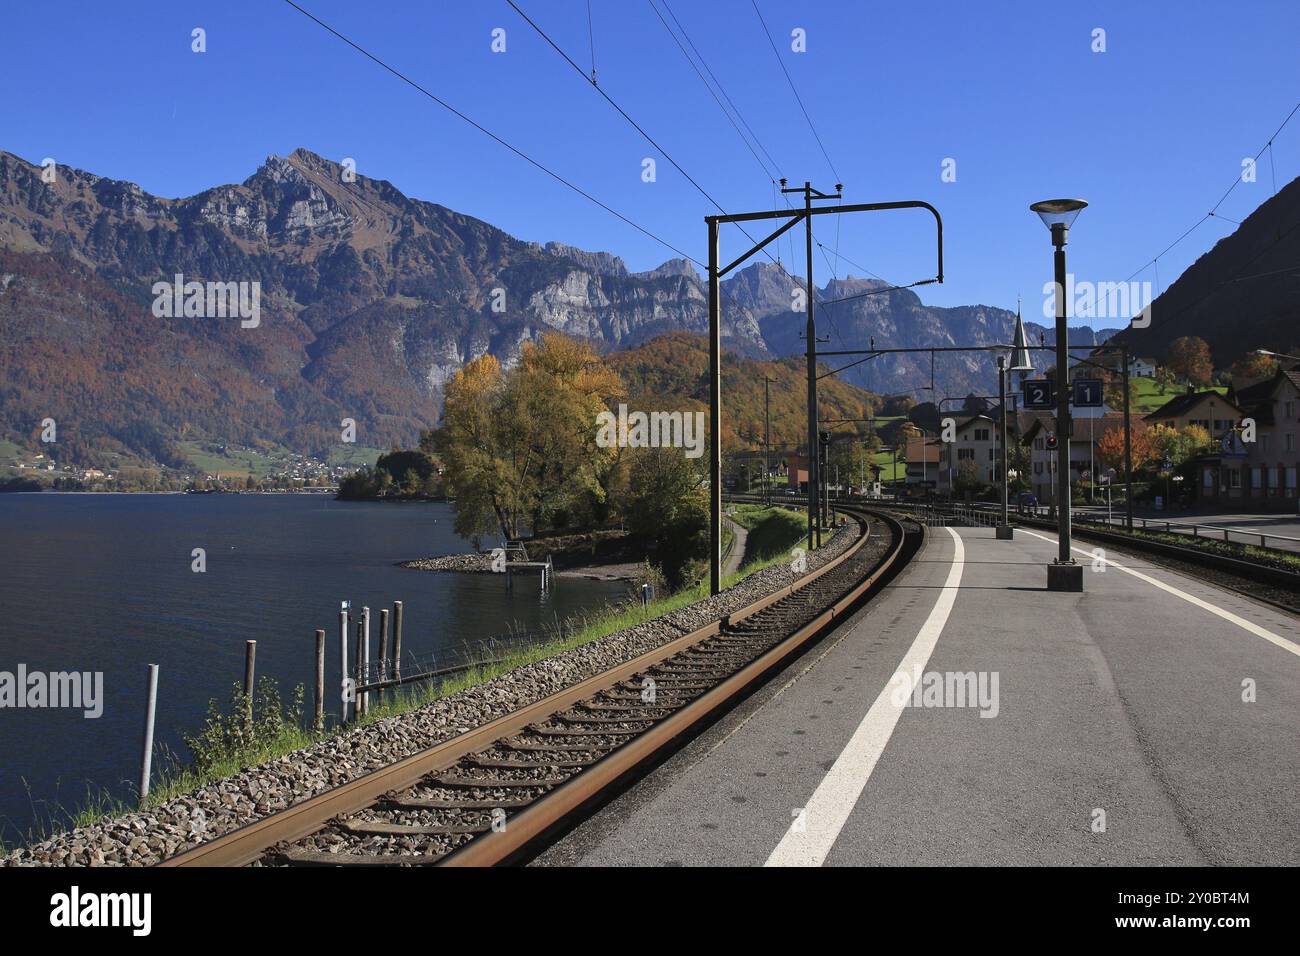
(570, 797)
(248, 843)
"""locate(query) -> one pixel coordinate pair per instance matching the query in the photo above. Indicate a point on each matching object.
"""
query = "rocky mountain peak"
(673, 267)
(601, 263)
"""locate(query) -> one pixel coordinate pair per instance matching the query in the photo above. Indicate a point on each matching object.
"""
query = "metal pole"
(343, 664)
(1064, 428)
(1002, 394)
(319, 717)
(1128, 450)
(767, 441)
(397, 640)
(365, 654)
(383, 648)
(358, 703)
(814, 528)
(146, 756)
(715, 415)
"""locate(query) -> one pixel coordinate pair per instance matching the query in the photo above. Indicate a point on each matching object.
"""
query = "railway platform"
(1151, 719)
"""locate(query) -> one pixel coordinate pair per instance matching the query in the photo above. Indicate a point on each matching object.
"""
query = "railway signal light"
(1051, 441)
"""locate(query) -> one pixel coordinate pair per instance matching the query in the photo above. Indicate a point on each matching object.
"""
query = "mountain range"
(369, 301)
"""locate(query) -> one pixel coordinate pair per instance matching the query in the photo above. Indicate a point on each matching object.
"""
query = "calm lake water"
(104, 583)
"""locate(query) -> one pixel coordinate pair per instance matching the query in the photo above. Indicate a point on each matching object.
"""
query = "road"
(1149, 720)
(1283, 525)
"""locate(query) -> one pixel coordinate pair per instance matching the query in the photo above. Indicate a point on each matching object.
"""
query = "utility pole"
(814, 526)
(1004, 530)
(767, 442)
(1128, 450)
(715, 412)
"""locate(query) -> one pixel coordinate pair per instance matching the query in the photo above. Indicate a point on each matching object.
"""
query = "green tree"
(668, 508)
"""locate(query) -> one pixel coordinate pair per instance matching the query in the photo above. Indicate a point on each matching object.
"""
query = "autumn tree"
(1112, 388)
(1252, 367)
(478, 476)
(1164, 378)
(520, 447)
(1189, 357)
(1146, 447)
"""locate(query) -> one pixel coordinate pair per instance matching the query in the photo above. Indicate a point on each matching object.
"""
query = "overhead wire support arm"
(792, 216)
(836, 210)
(758, 246)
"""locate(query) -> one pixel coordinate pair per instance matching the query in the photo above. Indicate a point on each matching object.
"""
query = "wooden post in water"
(383, 649)
(397, 640)
(319, 720)
(250, 657)
(146, 758)
(343, 664)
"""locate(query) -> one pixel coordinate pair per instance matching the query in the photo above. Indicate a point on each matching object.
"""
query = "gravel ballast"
(144, 838)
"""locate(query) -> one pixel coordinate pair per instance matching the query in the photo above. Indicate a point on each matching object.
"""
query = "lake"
(103, 583)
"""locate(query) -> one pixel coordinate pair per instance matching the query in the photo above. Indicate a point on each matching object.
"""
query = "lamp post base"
(1004, 532)
(1064, 576)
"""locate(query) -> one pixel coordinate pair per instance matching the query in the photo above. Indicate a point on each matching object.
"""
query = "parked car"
(1026, 499)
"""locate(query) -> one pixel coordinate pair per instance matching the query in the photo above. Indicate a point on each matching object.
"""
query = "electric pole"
(767, 442)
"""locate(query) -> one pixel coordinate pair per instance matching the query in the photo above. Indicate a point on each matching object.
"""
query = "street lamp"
(1281, 355)
(1063, 574)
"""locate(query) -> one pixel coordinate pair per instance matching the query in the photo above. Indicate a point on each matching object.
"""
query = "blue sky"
(1151, 132)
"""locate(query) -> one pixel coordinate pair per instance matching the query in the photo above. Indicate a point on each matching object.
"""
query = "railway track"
(494, 794)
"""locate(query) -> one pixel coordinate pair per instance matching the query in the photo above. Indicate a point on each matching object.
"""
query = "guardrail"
(975, 514)
(989, 515)
(1196, 530)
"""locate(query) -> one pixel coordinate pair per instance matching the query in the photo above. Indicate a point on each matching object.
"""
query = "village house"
(922, 457)
(1259, 473)
(1212, 410)
(1090, 424)
(975, 440)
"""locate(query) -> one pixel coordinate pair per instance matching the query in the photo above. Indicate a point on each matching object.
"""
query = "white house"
(1142, 368)
(975, 440)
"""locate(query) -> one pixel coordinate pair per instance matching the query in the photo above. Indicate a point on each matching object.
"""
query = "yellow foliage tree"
(519, 446)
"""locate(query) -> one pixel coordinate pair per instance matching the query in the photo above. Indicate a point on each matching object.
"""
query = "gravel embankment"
(143, 838)
(452, 562)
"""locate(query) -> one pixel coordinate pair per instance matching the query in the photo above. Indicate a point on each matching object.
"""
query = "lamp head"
(1064, 211)
(1058, 215)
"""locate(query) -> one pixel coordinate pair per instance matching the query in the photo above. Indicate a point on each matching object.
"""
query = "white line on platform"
(1241, 622)
(810, 838)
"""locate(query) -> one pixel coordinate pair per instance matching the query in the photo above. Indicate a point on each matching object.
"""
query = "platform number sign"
(1087, 393)
(1037, 393)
